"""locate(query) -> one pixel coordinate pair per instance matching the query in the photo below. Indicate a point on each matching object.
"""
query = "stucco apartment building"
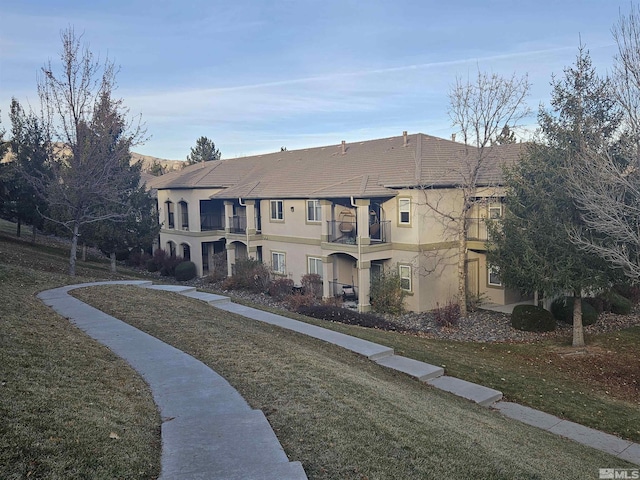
(346, 212)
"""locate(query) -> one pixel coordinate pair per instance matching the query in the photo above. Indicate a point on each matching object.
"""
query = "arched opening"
(184, 214)
(186, 251)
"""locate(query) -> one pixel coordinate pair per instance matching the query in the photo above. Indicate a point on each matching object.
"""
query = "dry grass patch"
(342, 415)
(69, 408)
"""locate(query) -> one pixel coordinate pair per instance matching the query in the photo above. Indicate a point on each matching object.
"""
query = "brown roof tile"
(365, 169)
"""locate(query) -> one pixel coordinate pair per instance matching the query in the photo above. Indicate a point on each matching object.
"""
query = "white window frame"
(279, 263)
(493, 208)
(493, 270)
(404, 271)
(404, 206)
(276, 210)
(313, 206)
(317, 262)
(184, 215)
(171, 214)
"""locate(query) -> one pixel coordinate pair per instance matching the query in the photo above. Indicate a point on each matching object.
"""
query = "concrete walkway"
(432, 375)
(211, 436)
(208, 430)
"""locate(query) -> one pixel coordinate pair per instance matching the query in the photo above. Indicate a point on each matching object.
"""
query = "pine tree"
(204, 151)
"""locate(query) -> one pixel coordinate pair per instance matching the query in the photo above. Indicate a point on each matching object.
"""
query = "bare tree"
(480, 109)
(93, 136)
(605, 182)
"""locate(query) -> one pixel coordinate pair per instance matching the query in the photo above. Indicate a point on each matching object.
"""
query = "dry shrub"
(281, 288)
(447, 315)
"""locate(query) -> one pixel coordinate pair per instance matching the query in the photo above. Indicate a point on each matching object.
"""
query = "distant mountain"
(148, 161)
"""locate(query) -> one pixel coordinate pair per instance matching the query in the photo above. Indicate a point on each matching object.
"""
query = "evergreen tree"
(204, 151)
(30, 148)
(532, 247)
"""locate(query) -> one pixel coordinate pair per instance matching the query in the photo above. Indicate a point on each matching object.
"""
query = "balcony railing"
(380, 232)
(211, 221)
(346, 232)
(238, 224)
(477, 229)
(342, 232)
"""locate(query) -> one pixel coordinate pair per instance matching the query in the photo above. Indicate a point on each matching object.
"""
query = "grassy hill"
(71, 409)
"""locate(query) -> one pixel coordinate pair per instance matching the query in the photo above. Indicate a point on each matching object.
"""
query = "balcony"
(211, 221)
(341, 231)
(238, 224)
(477, 229)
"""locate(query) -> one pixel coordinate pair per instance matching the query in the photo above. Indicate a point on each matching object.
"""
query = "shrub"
(598, 303)
(296, 301)
(532, 318)
(618, 303)
(630, 292)
(157, 260)
(138, 258)
(185, 271)
(562, 310)
(218, 271)
(347, 316)
(312, 285)
(169, 264)
(280, 288)
(448, 315)
(230, 283)
(387, 295)
(251, 274)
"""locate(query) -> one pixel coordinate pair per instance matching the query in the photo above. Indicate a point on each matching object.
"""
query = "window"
(314, 212)
(278, 263)
(172, 249)
(277, 210)
(405, 277)
(495, 210)
(170, 217)
(494, 276)
(186, 251)
(315, 265)
(184, 215)
(404, 211)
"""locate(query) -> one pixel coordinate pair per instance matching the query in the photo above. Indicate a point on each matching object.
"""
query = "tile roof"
(372, 168)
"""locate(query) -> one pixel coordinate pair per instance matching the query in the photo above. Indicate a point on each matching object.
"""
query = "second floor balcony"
(477, 229)
(211, 221)
(341, 231)
(238, 224)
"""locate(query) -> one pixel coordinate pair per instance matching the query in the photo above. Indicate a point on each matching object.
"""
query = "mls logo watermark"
(621, 473)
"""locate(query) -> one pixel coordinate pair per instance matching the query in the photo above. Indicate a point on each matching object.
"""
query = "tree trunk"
(578, 330)
(84, 252)
(112, 256)
(74, 249)
(462, 265)
(18, 225)
(34, 233)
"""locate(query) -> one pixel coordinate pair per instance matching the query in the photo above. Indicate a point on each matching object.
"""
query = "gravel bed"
(479, 326)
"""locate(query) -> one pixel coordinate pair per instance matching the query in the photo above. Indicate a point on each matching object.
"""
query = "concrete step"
(171, 288)
(587, 436)
(484, 396)
(210, 298)
(420, 370)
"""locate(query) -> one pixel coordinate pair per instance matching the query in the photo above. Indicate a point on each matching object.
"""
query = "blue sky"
(255, 75)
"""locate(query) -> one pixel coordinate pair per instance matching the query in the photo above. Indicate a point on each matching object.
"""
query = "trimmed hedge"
(532, 318)
(618, 303)
(185, 271)
(562, 310)
(349, 317)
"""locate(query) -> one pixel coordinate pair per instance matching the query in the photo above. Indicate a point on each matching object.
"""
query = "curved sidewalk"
(208, 430)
